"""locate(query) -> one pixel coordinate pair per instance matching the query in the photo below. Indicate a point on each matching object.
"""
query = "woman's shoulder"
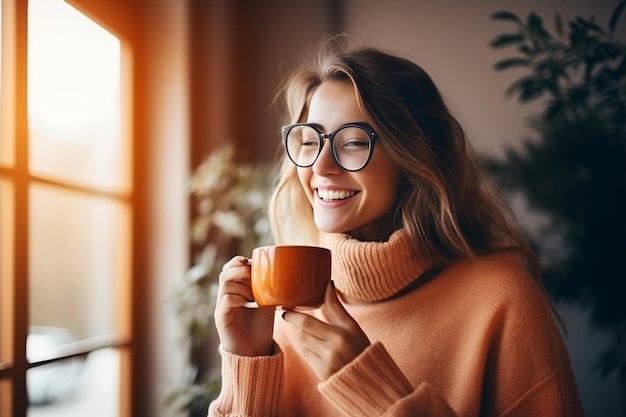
(493, 280)
(497, 269)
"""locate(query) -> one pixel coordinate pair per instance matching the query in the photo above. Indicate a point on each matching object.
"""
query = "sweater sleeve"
(251, 386)
(373, 385)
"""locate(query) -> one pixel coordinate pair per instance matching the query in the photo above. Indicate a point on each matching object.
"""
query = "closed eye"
(310, 143)
(357, 142)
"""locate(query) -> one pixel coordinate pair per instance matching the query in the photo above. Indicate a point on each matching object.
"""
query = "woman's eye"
(307, 142)
(356, 142)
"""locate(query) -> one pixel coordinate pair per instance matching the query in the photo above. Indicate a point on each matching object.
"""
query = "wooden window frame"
(14, 315)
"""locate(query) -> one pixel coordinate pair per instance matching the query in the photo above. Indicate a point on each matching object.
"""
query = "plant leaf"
(615, 15)
(528, 88)
(620, 70)
(506, 15)
(535, 26)
(558, 23)
(506, 39)
(525, 49)
(511, 63)
(588, 25)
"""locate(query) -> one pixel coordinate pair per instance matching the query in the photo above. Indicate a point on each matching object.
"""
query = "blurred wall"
(241, 50)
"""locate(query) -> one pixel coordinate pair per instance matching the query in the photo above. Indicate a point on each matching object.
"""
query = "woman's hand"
(330, 345)
(242, 331)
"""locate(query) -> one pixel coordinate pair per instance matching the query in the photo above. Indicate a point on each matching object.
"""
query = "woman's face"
(359, 203)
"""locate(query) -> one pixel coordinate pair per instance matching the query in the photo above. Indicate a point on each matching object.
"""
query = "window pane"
(74, 99)
(6, 263)
(78, 388)
(79, 266)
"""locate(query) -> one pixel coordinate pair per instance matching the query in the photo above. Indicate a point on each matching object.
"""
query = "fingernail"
(243, 260)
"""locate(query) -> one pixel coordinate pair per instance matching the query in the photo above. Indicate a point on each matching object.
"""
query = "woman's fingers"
(234, 282)
(330, 345)
(241, 330)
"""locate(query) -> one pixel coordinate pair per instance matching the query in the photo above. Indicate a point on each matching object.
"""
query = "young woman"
(436, 306)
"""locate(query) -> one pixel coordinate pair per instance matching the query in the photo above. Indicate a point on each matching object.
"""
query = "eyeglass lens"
(351, 146)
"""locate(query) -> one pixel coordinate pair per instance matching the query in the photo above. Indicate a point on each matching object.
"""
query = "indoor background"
(204, 73)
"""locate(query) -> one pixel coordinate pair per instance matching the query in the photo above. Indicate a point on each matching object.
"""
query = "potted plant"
(229, 201)
(574, 169)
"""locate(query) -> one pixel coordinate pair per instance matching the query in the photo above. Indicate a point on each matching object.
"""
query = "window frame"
(14, 304)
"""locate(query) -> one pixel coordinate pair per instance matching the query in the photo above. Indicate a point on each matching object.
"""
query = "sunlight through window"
(79, 213)
(74, 98)
(7, 147)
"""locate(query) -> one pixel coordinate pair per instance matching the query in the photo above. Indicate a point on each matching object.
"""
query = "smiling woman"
(372, 180)
(436, 306)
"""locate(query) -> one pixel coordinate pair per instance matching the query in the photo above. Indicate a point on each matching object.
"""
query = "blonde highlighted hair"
(446, 202)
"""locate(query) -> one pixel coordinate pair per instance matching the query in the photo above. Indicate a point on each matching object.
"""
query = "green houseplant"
(574, 169)
(229, 201)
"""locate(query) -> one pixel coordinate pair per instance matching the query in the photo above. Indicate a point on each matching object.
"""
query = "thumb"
(333, 309)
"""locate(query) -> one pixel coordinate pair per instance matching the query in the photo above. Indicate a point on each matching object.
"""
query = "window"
(66, 211)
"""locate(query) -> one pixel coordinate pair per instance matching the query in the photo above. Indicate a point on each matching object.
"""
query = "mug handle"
(250, 304)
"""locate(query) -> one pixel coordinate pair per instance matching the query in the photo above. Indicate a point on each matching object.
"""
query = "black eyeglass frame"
(371, 134)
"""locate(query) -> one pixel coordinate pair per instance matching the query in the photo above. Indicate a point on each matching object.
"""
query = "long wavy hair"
(446, 202)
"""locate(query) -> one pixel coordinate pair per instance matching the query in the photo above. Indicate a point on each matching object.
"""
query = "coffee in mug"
(290, 276)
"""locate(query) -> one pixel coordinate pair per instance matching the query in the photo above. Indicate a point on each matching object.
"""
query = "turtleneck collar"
(373, 271)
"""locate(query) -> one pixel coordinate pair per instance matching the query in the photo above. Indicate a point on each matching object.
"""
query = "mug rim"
(295, 246)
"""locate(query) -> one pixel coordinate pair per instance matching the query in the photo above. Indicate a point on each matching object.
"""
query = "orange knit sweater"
(477, 340)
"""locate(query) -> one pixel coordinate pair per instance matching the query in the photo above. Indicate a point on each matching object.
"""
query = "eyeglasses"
(352, 144)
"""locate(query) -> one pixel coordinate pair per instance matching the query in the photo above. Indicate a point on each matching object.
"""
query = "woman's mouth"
(331, 195)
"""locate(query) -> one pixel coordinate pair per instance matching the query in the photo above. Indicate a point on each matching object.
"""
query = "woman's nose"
(325, 162)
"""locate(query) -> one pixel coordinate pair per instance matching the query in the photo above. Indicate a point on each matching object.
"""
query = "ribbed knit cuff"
(250, 385)
(368, 386)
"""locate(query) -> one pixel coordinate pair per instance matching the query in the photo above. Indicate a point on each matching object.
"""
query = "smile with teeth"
(329, 195)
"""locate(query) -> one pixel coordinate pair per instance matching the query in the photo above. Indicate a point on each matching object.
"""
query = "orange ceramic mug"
(289, 276)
